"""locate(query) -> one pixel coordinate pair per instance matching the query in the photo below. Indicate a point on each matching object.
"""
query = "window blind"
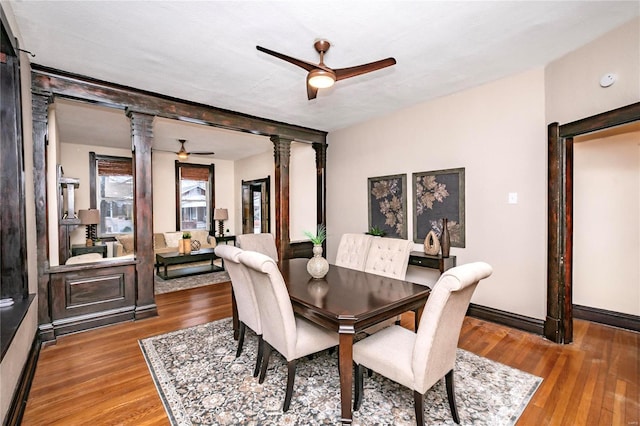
(114, 167)
(194, 173)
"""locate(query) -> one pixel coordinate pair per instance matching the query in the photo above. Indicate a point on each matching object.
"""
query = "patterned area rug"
(175, 284)
(201, 382)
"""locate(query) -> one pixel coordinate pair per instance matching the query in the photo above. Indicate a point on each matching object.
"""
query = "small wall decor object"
(432, 244)
(445, 239)
(388, 205)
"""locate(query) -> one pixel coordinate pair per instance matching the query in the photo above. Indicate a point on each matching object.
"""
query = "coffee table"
(169, 259)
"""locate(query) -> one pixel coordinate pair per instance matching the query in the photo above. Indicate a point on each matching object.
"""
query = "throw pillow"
(172, 238)
(200, 235)
(127, 242)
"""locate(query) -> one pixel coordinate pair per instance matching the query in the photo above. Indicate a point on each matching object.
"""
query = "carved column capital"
(321, 154)
(281, 151)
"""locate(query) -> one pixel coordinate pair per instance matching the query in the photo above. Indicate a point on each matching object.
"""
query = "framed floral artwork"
(436, 195)
(388, 205)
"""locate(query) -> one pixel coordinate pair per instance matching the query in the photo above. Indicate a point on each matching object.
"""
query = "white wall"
(497, 132)
(606, 223)
(572, 82)
(302, 191)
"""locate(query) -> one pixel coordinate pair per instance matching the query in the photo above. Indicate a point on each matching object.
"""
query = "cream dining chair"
(419, 360)
(246, 302)
(262, 243)
(353, 250)
(291, 336)
(388, 257)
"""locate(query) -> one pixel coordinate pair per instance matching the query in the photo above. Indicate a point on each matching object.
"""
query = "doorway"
(558, 326)
(256, 206)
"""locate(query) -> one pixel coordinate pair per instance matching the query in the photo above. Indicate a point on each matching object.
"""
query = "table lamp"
(220, 215)
(90, 218)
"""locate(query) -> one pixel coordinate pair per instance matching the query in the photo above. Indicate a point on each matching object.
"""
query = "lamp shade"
(89, 217)
(220, 214)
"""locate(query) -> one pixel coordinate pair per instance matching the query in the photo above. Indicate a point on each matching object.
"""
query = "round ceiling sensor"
(607, 80)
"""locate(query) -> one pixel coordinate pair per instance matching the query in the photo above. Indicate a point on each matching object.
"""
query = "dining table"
(348, 301)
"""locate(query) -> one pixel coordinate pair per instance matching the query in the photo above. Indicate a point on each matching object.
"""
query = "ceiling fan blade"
(302, 64)
(312, 92)
(201, 153)
(343, 73)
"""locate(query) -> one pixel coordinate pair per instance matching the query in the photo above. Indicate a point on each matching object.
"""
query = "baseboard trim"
(21, 394)
(521, 322)
(602, 316)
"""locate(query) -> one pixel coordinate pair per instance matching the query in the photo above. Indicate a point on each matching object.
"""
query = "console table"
(225, 239)
(417, 258)
(169, 259)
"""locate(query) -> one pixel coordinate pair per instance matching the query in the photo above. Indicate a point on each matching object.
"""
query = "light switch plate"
(513, 198)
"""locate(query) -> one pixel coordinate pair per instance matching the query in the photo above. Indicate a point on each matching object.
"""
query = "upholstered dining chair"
(262, 243)
(353, 250)
(291, 336)
(418, 360)
(388, 257)
(246, 302)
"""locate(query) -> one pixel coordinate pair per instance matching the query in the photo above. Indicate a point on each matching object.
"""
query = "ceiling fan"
(183, 154)
(321, 76)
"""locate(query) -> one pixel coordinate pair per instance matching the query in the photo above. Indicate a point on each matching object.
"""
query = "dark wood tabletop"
(348, 301)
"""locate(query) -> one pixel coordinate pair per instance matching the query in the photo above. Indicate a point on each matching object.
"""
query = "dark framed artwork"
(388, 205)
(436, 195)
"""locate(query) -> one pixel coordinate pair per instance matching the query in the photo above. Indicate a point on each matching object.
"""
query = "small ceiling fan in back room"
(183, 154)
(321, 76)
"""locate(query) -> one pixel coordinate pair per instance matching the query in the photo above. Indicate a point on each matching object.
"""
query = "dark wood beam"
(282, 154)
(72, 86)
(615, 117)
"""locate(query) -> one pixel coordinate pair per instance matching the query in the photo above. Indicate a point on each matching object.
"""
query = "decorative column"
(321, 184)
(282, 154)
(40, 101)
(141, 141)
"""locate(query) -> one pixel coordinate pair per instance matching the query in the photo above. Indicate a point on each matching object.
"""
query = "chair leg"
(241, 331)
(418, 402)
(448, 378)
(265, 361)
(291, 376)
(259, 359)
(357, 398)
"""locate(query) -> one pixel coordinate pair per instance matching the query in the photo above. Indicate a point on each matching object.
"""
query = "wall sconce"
(220, 215)
(90, 218)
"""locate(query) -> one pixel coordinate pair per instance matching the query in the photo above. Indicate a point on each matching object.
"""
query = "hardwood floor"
(100, 376)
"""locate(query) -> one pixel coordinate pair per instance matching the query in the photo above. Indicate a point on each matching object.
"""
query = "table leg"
(346, 373)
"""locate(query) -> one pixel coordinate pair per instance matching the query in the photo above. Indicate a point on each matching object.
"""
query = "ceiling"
(205, 51)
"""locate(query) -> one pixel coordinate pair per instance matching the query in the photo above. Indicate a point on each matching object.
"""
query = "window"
(194, 196)
(112, 193)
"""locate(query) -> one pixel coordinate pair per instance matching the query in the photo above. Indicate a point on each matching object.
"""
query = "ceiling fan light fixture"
(321, 79)
(182, 154)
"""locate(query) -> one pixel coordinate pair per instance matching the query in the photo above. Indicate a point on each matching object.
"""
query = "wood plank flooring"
(99, 377)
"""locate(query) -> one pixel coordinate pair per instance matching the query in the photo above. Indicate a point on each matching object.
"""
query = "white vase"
(317, 265)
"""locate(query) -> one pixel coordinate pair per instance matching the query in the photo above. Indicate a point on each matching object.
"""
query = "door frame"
(265, 204)
(558, 326)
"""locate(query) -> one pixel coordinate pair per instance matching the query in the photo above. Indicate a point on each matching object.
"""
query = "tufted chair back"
(276, 313)
(434, 353)
(388, 257)
(352, 251)
(262, 243)
(242, 286)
